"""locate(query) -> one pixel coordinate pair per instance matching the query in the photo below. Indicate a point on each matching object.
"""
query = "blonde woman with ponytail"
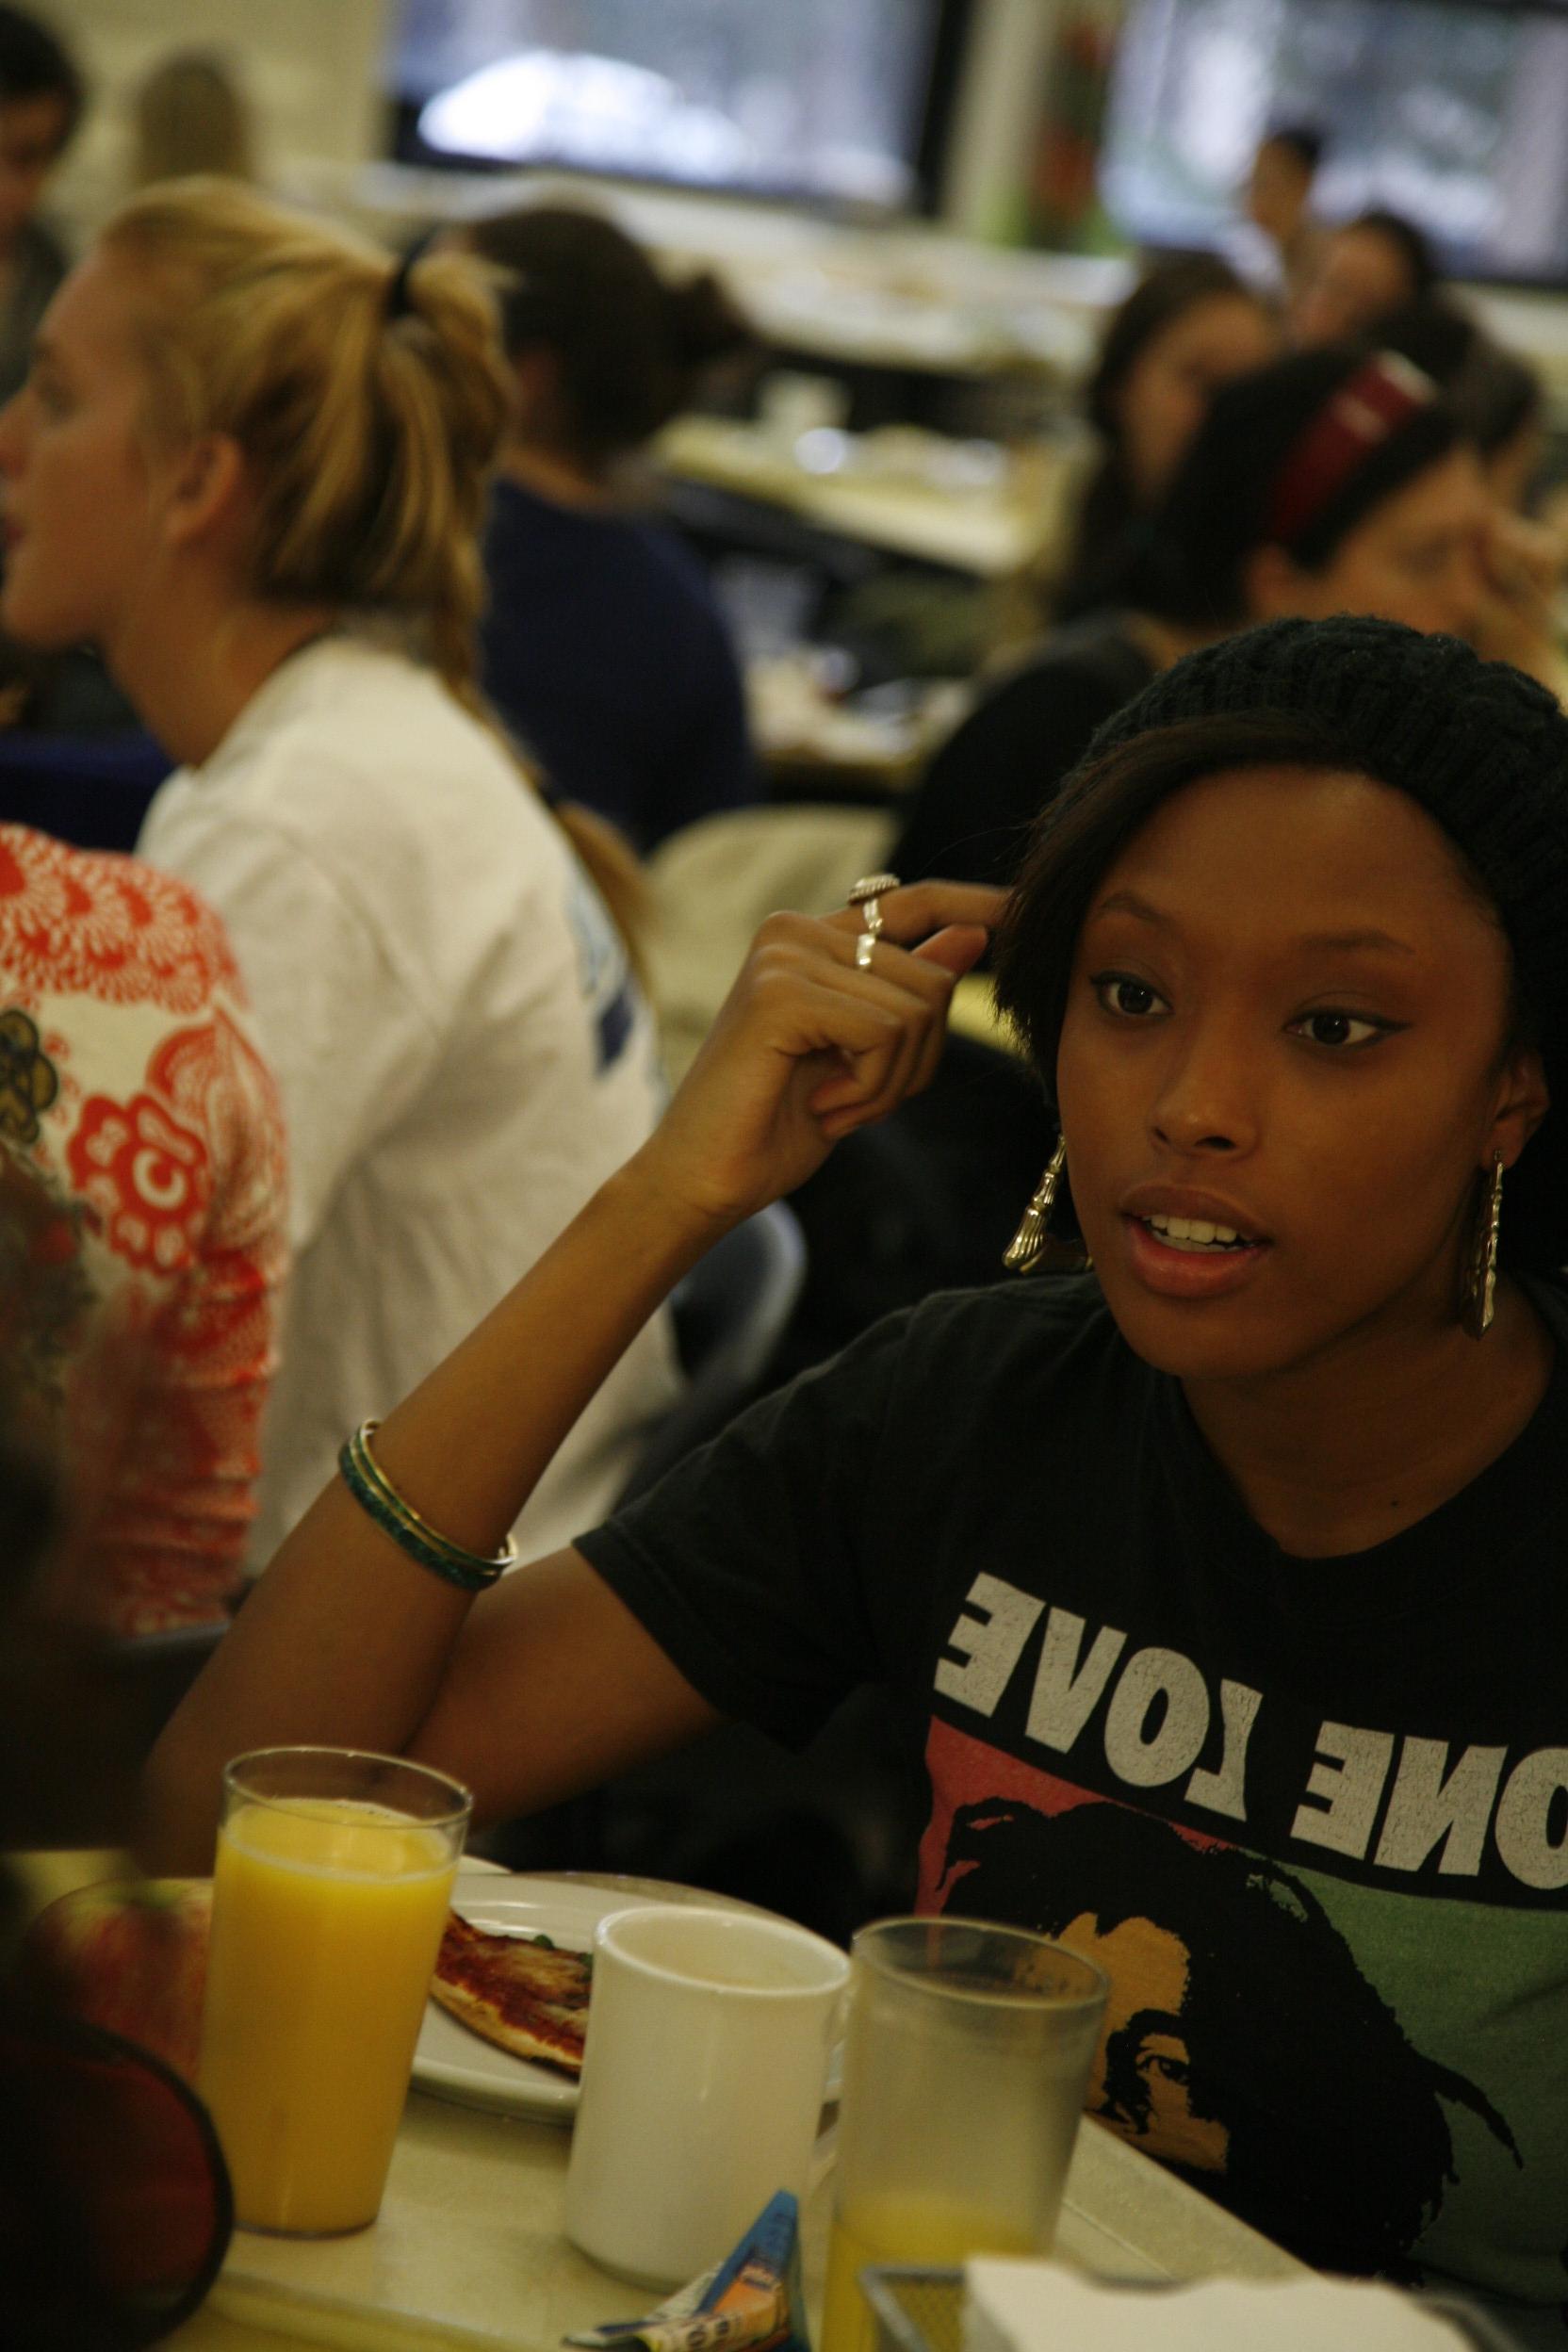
(250, 466)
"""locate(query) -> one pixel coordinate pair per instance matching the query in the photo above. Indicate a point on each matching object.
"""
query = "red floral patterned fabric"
(131, 1085)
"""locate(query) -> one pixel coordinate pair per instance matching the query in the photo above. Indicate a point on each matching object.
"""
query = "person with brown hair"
(41, 102)
(250, 465)
(1189, 326)
(1360, 271)
(1278, 198)
(190, 116)
(603, 643)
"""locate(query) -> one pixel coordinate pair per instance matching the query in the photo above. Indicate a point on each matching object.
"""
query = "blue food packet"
(754, 2299)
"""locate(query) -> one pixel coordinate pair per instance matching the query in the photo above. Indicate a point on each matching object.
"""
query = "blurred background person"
(1188, 326)
(1498, 398)
(1279, 200)
(1274, 510)
(191, 115)
(1359, 273)
(283, 574)
(132, 1087)
(41, 98)
(603, 644)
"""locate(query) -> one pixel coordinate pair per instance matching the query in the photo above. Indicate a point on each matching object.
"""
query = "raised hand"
(808, 1044)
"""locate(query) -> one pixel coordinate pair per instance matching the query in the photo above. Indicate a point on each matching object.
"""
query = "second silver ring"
(864, 948)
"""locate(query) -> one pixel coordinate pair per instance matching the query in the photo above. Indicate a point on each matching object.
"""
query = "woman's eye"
(1339, 1029)
(1119, 992)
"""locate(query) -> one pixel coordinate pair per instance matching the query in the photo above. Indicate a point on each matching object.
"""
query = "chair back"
(729, 1316)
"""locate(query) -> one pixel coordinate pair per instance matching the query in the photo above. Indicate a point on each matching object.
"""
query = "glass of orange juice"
(330, 1890)
(967, 2056)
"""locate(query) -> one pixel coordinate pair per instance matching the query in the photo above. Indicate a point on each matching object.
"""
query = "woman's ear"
(203, 488)
(1524, 1100)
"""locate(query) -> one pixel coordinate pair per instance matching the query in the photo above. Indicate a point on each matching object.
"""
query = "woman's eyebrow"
(1354, 943)
(1129, 903)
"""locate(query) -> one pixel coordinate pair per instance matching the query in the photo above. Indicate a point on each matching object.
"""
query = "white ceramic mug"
(702, 2084)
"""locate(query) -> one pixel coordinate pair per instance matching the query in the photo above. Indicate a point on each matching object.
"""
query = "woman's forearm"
(345, 1638)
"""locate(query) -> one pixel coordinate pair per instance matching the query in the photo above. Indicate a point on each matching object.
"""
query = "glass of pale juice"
(967, 2056)
(330, 1890)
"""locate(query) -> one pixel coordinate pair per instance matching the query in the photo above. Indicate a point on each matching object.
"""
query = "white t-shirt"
(462, 1053)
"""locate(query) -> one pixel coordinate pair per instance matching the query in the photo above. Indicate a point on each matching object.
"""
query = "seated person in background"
(1188, 326)
(191, 115)
(1361, 272)
(41, 103)
(602, 644)
(1251, 1540)
(131, 1083)
(1279, 199)
(1331, 481)
(250, 466)
(1498, 398)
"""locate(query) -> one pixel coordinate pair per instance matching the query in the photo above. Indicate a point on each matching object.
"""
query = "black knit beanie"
(1484, 750)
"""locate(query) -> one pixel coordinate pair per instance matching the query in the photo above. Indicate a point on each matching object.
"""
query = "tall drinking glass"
(333, 1880)
(967, 2056)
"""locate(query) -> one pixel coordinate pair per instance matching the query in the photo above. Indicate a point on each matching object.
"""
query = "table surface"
(469, 2248)
(993, 531)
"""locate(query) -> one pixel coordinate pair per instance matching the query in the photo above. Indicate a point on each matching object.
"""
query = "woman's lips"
(1163, 1266)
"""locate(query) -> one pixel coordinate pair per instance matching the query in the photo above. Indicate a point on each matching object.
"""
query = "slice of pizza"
(521, 1992)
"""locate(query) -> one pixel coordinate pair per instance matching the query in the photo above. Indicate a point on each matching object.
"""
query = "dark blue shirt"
(605, 653)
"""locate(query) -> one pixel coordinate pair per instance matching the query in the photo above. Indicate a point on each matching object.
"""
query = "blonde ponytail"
(369, 398)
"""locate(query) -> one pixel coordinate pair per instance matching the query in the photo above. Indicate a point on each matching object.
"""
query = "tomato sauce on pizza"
(521, 1992)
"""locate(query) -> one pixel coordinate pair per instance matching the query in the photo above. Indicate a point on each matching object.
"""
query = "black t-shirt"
(1310, 1815)
(978, 799)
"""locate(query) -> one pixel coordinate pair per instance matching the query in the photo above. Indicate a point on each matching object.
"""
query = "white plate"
(452, 2063)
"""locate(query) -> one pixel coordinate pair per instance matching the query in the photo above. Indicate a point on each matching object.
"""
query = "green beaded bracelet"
(376, 1496)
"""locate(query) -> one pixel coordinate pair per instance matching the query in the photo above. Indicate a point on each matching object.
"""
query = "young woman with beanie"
(1330, 481)
(250, 466)
(603, 643)
(1249, 1541)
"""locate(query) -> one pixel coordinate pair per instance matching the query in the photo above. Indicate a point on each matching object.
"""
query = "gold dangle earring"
(1028, 1245)
(1478, 1294)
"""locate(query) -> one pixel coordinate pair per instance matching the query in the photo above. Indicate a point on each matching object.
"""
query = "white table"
(469, 2248)
(993, 531)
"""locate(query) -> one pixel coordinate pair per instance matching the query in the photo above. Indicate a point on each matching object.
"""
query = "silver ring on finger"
(868, 894)
(865, 947)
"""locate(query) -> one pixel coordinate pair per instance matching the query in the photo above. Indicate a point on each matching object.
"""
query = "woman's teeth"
(1196, 1233)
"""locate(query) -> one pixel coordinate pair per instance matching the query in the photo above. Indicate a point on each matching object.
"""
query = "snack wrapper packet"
(753, 2298)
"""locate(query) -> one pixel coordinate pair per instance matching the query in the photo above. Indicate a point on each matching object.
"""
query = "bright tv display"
(821, 99)
(1452, 111)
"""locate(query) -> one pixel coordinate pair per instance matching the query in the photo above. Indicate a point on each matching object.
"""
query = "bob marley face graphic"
(1140, 2084)
(1242, 2044)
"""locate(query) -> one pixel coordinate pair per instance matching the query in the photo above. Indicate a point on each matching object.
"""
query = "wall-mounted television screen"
(1452, 111)
(818, 99)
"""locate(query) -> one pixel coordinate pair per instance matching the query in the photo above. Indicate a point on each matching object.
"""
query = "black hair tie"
(398, 302)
